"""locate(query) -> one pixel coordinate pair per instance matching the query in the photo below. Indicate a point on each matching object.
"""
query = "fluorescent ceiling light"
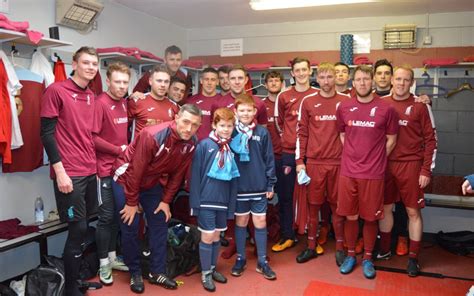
(283, 4)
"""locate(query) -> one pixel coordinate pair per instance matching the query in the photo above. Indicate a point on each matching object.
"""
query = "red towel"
(440, 62)
(33, 36)
(198, 64)
(258, 67)
(11, 229)
(59, 71)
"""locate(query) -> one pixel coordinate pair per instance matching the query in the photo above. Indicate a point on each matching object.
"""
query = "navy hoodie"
(257, 175)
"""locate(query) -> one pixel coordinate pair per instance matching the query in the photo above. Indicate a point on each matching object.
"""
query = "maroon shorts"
(361, 197)
(324, 182)
(401, 184)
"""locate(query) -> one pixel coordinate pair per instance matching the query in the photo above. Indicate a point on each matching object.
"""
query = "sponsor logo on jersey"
(151, 109)
(372, 111)
(206, 112)
(353, 109)
(256, 138)
(361, 123)
(120, 120)
(402, 122)
(325, 117)
(318, 105)
(408, 110)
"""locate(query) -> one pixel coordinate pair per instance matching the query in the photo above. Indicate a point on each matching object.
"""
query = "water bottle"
(39, 210)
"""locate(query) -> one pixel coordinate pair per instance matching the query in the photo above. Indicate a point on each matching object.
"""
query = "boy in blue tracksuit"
(256, 163)
(213, 192)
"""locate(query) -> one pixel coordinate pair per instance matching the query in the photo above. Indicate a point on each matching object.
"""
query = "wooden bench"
(450, 201)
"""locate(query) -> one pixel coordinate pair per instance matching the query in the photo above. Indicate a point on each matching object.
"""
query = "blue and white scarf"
(223, 167)
(240, 143)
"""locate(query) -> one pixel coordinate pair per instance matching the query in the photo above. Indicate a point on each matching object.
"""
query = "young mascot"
(256, 164)
(214, 192)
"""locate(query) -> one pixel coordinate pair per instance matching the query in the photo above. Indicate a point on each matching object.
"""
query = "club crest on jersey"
(361, 123)
(372, 111)
(187, 148)
(408, 110)
(325, 117)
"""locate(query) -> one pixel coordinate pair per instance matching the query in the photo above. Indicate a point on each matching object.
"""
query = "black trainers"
(136, 284)
(413, 268)
(340, 257)
(218, 277)
(306, 255)
(238, 267)
(267, 272)
(385, 256)
(207, 281)
(162, 280)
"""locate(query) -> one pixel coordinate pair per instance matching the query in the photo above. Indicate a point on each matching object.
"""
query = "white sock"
(112, 256)
(104, 261)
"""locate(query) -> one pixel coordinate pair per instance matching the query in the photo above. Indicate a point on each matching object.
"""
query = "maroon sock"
(325, 214)
(351, 231)
(370, 235)
(338, 226)
(414, 249)
(312, 225)
(385, 240)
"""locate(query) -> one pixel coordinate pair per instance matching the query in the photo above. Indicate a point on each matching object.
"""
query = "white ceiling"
(217, 13)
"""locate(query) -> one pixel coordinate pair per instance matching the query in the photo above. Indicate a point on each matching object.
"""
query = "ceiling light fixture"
(283, 4)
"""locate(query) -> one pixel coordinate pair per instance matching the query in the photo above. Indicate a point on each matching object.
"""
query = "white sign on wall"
(232, 47)
(362, 43)
(4, 6)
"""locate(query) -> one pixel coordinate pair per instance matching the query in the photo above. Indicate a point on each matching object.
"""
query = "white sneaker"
(118, 264)
(105, 275)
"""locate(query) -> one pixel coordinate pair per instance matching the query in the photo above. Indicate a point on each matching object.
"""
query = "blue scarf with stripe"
(240, 143)
(223, 167)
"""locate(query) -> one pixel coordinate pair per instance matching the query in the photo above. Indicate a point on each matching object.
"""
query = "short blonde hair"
(406, 67)
(326, 67)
